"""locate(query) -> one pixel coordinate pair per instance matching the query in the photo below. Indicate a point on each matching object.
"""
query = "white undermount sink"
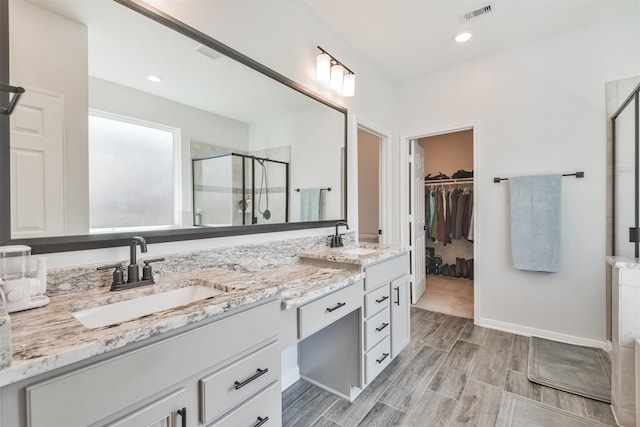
(358, 251)
(118, 312)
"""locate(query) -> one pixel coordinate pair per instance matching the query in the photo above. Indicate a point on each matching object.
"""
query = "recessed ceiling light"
(154, 78)
(462, 37)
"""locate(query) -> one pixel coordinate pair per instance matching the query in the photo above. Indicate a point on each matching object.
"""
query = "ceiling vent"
(208, 52)
(475, 13)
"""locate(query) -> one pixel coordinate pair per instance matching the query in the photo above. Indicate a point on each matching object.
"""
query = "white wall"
(539, 108)
(263, 31)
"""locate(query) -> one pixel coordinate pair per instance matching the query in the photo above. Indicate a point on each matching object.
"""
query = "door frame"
(384, 177)
(405, 200)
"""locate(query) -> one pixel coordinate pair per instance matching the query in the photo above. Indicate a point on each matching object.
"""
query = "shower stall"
(625, 177)
(239, 189)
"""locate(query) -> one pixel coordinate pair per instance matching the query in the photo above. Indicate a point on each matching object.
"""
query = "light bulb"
(349, 85)
(337, 73)
(323, 67)
(154, 78)
(463, 37)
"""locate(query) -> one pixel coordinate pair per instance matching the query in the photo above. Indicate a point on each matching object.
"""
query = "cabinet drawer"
(228, 387)
(326, 310)
(160, 412)
(376, 301)
(377, 328)
(377, 359)
(385, 271)
(264, 410)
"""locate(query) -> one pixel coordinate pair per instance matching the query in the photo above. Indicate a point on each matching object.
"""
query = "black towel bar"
(17, 93)
(322, 189)
(576, 174)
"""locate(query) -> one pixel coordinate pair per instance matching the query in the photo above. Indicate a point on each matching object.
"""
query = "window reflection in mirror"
(132, 166)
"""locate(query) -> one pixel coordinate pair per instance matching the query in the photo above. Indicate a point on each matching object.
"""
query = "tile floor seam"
(386, 404)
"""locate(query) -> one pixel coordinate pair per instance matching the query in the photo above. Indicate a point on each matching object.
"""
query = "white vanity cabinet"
(330, 339)
(400, 311)
(198, 376)
(386, 322)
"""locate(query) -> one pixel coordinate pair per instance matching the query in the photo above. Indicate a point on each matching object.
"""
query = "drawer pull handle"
(258, 373)
(397, 289)
(384, 325)
(261, 421)
(383, 299)
(340, 304)
(183, 414)
(384, 356)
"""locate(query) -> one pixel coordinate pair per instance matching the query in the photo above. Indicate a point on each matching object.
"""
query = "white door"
(416, 217)
(37, 149)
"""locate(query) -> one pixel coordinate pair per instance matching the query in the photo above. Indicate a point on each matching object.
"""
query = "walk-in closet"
(449, 219)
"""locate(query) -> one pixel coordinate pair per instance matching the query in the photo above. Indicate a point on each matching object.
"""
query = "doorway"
(369, 148)
(442, 221)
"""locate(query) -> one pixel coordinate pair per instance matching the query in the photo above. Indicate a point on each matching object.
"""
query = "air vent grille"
(475, 13)
(208, 52)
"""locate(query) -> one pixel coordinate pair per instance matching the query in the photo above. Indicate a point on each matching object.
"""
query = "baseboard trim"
(540, 333)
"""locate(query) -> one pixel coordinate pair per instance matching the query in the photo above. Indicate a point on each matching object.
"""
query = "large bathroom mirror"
(134, 123)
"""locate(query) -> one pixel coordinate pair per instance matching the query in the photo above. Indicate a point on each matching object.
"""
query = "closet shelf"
(451, 181)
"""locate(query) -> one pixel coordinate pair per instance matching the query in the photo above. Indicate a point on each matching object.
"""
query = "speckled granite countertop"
(50, 337)
(361, 254)
(622, 262)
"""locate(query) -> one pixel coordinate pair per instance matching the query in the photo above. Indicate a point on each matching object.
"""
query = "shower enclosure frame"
(634, 232)
(244, 177)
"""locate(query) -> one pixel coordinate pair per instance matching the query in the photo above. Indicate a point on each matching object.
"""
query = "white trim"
(405, 140)
(289, 377)
(540, 333)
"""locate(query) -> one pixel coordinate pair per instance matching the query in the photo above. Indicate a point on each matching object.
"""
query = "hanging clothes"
(449, 214)
(468, 215)
(441, 209)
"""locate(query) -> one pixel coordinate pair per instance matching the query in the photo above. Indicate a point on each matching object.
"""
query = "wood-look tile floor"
(453, 373)
(450, 295)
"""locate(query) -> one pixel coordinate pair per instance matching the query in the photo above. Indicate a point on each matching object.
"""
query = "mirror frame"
(95, 241)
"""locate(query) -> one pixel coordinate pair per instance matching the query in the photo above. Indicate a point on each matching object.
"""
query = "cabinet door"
(400, 324)
(168, 411)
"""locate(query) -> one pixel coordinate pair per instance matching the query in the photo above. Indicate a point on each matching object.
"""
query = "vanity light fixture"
(341, 78)
(323, 67)
(462, 36)
(153, 78)
(337, 74)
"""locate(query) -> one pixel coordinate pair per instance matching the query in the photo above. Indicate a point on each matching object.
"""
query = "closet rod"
(576, 174)
(449, 181)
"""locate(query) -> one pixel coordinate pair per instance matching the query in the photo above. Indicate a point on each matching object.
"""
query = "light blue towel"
(310, 204)
(535, 222)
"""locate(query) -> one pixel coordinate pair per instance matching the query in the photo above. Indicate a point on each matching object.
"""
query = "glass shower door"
(626, 186)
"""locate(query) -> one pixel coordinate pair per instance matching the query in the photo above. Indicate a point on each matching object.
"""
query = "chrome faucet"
(133, 270)
(336, 240)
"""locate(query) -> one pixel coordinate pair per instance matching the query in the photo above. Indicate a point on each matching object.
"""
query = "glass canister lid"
(15, 250)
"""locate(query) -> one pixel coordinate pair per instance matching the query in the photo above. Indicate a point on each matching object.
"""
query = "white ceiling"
(406, 38)
(125, 47)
